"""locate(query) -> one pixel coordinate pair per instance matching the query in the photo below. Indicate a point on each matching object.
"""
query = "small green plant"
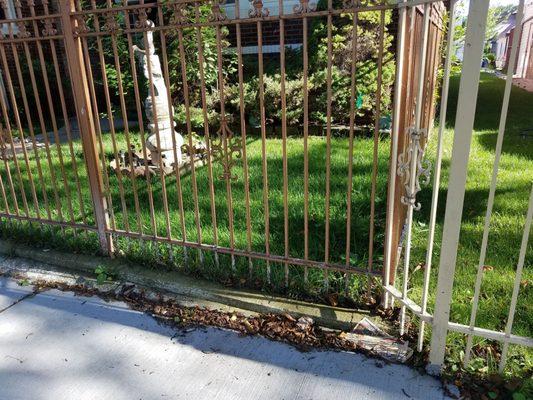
(102, 275)
(24, 282)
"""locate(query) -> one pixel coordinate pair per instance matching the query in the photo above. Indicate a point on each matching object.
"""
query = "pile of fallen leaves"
(301, 332)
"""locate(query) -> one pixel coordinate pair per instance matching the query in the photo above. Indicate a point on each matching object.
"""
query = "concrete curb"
(191, 290)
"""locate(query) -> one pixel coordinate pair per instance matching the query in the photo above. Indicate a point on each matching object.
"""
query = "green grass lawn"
(514, 183)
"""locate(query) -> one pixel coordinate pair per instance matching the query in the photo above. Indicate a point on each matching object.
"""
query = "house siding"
(524, 67)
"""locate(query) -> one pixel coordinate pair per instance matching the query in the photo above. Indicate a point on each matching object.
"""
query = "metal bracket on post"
(464, 124)
(84, 113)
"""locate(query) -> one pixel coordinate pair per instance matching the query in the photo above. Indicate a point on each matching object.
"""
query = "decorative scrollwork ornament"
(49, 29)
(351, 3)
(414, 153)
(226, 148)
(217, 13)
(178, 16)
(22, 30)
(258, 11)
(142, 21)
(111, 24)
(80, 26)
(304, 7)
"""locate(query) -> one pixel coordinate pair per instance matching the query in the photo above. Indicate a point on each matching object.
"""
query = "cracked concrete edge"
(20, 269)
(188, 290)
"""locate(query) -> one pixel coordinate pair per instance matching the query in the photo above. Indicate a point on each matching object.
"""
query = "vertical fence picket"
(83, 109)
(397, 105)
(438, 164)
(464, 124)
(494, 179)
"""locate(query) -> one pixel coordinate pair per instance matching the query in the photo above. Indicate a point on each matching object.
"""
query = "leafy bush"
(182, 48)
(366, 65)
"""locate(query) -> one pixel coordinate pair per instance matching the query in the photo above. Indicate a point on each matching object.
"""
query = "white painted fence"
(464, 123)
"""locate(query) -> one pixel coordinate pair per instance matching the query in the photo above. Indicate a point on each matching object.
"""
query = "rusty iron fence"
(259, 192)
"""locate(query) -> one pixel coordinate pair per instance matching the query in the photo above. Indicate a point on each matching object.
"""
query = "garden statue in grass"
(160, 115)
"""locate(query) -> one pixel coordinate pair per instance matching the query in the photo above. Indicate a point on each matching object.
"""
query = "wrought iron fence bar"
(351, 135)
(140, 119)
(152, 94)
(9, 131)
(28, 118)
(398, 89)
(31, 39)
(78, 78)
(110, 116)
(259, 27)
(14, 50)
(4, 196)
(518, 280)
(375, 160)
(284, 141)
(438, 164)
(329, 101)
(243, 140)
(234, 21)
(57, 140)
(186, 102)
(11, 94)
(30, 18)
(32, 131)
(494, 178)
(208, 141)
(464, 123)
(49, 30)
(225, 137)
(69, 142)
(8, 168)
(98, 133)
(243, 253)
(144, 23)
(305, 89)
(44, 221)
(124, 113)
(354, 7)
(52, 115)
(171, 122)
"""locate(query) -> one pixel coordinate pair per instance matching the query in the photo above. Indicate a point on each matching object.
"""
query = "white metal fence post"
(494, 179)
(394, 151)
(438, 163)
(464, 123)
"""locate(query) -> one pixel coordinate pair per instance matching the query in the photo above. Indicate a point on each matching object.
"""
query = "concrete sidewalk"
(55, 345)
